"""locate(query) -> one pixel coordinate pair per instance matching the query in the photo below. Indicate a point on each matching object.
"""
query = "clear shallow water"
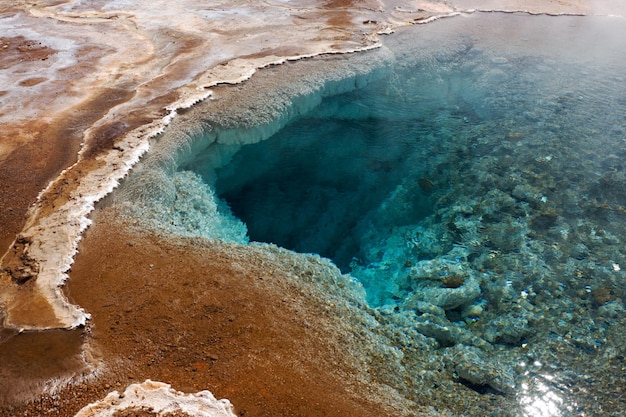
(478, 195)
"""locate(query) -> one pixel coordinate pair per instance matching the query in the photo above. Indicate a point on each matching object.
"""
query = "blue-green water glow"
(479, 195)
(315, 186)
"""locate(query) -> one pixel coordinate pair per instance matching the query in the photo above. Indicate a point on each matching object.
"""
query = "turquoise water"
(478, 193)
(317, 185)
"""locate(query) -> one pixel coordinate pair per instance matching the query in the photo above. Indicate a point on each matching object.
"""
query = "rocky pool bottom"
(482, 235)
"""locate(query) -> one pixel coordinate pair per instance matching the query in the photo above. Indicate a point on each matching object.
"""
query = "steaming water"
(478, 194)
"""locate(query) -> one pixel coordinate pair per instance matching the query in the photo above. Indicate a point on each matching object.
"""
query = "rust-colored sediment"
(34, 362)
(221, 317)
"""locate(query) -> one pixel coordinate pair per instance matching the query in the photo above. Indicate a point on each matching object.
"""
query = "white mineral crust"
(160, 399)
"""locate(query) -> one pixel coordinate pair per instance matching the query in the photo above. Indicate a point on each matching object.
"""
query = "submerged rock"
(510, 328)
(446, 332)
(543, 222)
(451, 298)
(448, 285)
(471, 366)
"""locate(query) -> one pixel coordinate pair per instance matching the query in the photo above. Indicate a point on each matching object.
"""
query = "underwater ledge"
(210, 133)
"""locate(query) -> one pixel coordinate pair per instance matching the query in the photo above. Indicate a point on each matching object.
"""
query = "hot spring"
(473, 183)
